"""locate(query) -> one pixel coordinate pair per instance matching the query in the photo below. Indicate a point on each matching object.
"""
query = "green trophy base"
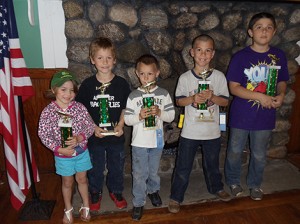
(148, 102)
(65, 126)
(104, 119)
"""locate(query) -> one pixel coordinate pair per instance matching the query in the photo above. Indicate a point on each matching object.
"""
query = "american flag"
(14, 83)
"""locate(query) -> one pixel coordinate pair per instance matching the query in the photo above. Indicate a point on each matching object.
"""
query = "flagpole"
(36, 209)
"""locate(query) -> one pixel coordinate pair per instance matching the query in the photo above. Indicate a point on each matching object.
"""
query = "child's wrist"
(193, 98)
(120, 125)
(140, 117)
(159, 112)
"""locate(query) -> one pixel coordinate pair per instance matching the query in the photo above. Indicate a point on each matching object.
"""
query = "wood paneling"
(294, 144)
(32, 109)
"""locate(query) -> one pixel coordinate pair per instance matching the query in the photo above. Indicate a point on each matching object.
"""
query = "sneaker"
(137, 213)
(118, 199)
(223, 195)
(174, 206)
(236, 190)
(256, 194)
(155, 199)
(95, 201)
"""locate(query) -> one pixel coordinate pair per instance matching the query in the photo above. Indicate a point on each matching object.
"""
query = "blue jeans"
(113, 156)
(184, 163)
(259, 141)
(145, 164)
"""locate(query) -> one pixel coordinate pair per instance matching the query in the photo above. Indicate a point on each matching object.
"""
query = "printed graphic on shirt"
(111, 103)
(157, 101)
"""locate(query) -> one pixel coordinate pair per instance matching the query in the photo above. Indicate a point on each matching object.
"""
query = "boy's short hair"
(147, 59)
(101, 42)
(261, 15)
(203, 37)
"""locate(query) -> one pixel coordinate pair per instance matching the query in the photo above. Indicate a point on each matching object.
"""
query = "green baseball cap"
(61, 77)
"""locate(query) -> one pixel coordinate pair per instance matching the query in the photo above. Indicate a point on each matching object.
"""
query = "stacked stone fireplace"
(166, 29)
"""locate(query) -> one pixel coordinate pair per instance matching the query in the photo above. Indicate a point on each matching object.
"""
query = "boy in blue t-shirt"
(253, 112)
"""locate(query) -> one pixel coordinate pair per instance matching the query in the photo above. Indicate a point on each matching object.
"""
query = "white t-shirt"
(188, 86)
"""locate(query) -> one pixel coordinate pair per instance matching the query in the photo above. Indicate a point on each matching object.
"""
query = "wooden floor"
(277, 208)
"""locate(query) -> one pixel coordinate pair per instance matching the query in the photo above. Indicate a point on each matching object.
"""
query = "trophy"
(148, 101)
(272, 76)
(104, 118)
(206, 114)
(65, 124)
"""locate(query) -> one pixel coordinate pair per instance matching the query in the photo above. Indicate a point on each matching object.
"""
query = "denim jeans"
(184, 163)
(145, 164)
(259, 141)
(113, 156)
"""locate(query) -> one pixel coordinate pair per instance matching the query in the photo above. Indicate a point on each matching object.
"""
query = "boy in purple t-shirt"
(253, 111)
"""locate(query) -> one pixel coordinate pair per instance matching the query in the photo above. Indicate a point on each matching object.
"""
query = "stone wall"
(166, 29)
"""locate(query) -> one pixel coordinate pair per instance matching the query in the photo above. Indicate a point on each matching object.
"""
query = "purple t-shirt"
(249, 68)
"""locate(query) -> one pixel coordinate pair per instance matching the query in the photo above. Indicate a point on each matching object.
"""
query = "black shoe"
(155, 199)
(95, 202)
(137, 213)
(95, 197)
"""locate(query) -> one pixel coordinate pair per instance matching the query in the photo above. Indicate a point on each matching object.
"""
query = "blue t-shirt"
(250, 69)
